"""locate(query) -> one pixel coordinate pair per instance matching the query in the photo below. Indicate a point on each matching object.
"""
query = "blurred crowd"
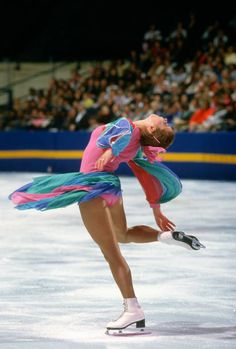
(187, 76)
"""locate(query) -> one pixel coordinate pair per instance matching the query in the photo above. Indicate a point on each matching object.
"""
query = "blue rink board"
(222, 143)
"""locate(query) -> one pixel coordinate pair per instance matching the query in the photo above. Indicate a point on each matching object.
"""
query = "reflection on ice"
(57, 292)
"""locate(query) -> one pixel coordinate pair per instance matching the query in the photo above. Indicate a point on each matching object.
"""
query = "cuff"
(154, 205)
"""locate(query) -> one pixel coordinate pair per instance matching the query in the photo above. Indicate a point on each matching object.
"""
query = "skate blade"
(196, 244)
(127, 332)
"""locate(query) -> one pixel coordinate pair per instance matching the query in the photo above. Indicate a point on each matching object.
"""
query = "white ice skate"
(179, 238)
(131, 322)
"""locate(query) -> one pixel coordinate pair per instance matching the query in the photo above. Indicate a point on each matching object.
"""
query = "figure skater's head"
(156, 132)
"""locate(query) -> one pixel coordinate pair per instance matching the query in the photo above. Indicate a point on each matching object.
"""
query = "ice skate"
(179, 238)
(131, 322)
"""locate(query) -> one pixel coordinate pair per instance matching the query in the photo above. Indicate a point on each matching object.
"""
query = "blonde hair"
(163, 138)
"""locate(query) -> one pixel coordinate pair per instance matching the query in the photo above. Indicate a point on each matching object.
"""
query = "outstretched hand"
(162, 221)
(104, 159)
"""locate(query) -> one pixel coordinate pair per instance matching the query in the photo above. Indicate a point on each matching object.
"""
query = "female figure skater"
(97, 190)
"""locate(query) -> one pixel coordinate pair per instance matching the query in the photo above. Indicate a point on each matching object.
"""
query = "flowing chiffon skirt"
(60, 190)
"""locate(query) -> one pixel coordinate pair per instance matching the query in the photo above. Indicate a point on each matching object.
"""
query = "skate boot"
(131, 321)
(179, 238)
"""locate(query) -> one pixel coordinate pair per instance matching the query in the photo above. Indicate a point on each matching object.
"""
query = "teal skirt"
(60, 190)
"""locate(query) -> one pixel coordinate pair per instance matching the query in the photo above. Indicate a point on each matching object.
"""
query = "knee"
(121, 235)
(109, 257)
(114, 259)
(122, 238)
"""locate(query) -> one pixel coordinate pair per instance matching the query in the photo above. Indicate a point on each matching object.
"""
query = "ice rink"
(56, 290)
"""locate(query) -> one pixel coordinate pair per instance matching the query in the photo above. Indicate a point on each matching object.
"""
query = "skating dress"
(159, 183)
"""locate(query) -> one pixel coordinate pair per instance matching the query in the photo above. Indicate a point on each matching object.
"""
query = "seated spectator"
(152, 34)
(230, 56)
(201, 115)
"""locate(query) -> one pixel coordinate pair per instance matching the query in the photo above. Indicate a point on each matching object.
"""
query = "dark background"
(75, 29)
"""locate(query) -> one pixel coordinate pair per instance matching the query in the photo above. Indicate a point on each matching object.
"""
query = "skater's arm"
(116, 136)
(153, 189)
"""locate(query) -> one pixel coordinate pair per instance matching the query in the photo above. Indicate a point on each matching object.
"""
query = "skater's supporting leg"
(97, 220)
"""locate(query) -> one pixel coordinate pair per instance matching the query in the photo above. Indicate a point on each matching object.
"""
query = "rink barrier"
(193, 155)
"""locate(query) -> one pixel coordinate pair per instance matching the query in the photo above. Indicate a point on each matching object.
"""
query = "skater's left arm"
(153, 191)
(162, 221)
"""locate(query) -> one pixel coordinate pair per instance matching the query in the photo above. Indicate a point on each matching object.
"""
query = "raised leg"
(144, 234)
(138, 234)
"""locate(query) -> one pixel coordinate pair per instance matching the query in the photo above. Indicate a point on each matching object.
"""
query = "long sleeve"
(116, 136)
(159, 183)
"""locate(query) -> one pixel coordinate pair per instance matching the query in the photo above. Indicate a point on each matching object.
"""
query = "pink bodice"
(92, 152)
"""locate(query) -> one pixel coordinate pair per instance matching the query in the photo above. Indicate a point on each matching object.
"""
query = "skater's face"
(157, 132)
(158, 121)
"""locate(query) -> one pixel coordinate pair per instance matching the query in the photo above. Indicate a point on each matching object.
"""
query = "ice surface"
(56, 290)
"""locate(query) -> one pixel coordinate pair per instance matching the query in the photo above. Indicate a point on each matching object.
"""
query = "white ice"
(56, 290)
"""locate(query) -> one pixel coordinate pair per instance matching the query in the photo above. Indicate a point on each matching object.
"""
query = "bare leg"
(141, 234)
(97, 219)
(138, 234)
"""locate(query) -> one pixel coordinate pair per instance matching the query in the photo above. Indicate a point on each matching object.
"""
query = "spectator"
(171, 75)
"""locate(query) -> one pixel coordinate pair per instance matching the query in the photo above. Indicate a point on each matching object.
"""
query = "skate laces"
(125, 309)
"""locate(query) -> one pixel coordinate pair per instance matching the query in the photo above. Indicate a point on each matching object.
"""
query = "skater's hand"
(104, 159)
(162, 221)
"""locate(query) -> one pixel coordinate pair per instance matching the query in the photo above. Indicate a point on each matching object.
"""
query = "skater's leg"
(138, 234)
(144, 234)
(97, 220)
